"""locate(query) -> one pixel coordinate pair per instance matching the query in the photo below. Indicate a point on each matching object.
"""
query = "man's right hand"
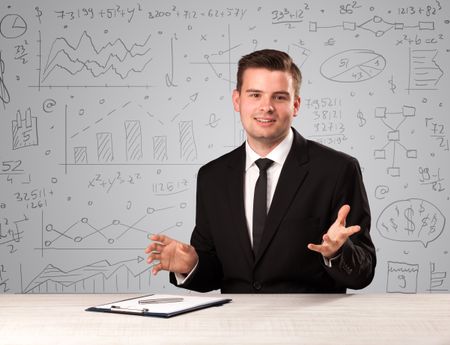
(173, 256)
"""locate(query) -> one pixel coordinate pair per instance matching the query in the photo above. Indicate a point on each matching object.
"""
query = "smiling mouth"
(264, 120)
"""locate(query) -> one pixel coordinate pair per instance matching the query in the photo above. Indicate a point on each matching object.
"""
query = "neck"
(263, 148)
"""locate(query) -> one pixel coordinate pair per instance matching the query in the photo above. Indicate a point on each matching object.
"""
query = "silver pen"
(161, 300)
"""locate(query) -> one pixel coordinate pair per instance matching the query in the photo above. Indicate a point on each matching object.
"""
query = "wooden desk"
(250, 319)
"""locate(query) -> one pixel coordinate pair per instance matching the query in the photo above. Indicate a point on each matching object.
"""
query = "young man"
(281, 224)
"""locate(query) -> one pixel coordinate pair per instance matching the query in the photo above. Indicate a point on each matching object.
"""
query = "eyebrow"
(276, 92)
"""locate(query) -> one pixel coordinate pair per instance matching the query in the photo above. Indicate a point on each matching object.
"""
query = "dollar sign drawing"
(409, 213)
(391, 83)
(38, 14)
(362, 120)
(393, 224)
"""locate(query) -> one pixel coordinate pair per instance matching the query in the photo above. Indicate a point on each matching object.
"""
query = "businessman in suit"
(279, 214)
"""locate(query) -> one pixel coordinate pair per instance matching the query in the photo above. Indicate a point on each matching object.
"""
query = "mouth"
(263, 120)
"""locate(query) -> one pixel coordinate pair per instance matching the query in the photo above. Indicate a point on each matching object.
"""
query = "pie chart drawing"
(12, 26)
(352, 66)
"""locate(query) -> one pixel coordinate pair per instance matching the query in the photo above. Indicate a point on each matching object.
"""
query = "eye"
(254, 95)
(281, 97)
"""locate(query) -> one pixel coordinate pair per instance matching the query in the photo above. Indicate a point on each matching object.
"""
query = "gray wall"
(107, 113)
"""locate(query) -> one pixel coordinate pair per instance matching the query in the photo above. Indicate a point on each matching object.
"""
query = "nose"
(266, 106)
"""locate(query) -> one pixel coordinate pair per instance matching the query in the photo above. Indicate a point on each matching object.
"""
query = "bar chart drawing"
(133, 140)
(105, 152)
(188, 149)
(24, 130)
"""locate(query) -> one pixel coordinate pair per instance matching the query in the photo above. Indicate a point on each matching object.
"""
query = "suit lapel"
(291, 178)
(235, 177)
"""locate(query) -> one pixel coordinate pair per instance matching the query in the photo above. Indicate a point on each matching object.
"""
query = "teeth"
(264, 121)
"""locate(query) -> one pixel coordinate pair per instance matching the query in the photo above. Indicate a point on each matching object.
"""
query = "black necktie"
(260, 202)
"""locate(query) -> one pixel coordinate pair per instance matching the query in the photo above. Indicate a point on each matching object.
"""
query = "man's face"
(267, 105)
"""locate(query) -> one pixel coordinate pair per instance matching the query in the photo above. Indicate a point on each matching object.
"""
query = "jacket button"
(257, 285)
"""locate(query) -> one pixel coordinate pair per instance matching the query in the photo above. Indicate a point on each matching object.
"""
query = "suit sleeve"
(355, 266)
(208, 273)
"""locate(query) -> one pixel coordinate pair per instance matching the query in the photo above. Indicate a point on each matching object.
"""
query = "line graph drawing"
(84, 235)
(101, 276)
(114, 58)
(393, 121)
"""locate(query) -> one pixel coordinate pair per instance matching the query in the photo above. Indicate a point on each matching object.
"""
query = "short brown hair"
(273, 60)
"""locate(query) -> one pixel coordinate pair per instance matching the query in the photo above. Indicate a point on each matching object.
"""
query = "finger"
(352, 230)
(160, 238)
(315, 247)
(153, 247)
(156, 269)
(154, 256)
(342, 214)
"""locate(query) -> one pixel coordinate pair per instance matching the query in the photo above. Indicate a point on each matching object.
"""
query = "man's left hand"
(336, 235)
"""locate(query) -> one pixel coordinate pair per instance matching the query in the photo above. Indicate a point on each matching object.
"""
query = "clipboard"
(157, 305)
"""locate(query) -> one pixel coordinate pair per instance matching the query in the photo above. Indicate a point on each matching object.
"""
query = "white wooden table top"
(249, 319)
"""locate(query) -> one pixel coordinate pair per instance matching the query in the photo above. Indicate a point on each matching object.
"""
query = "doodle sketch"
(108, 109)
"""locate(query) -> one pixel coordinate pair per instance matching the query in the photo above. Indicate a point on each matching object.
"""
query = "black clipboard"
(182, 305)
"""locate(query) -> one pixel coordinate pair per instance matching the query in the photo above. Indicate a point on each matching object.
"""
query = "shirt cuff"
(183, 278)
(329, 262)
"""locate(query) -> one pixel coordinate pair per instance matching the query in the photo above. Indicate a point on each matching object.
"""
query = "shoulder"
(312, 152)
(324, 154)
(230, 160)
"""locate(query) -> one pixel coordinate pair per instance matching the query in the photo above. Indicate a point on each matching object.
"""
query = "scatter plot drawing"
(393, 121)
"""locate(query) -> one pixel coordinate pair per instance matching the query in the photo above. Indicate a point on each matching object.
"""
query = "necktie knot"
(263, 164)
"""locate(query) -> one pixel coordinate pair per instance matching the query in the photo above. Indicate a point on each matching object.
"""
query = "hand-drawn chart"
(108, 110)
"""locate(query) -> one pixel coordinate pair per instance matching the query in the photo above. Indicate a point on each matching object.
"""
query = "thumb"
(342, 214)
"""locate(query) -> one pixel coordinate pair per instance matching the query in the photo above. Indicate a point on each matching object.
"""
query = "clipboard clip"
(118, 308)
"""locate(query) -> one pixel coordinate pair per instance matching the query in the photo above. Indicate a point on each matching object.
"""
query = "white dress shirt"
(278, 155)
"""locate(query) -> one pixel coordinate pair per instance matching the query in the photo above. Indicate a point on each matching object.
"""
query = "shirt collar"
(278, 154)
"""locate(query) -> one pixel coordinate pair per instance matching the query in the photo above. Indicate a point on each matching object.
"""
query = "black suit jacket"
(314, 183)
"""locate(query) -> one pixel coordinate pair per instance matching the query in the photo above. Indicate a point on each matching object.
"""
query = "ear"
(297, 102)
(236, 100)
